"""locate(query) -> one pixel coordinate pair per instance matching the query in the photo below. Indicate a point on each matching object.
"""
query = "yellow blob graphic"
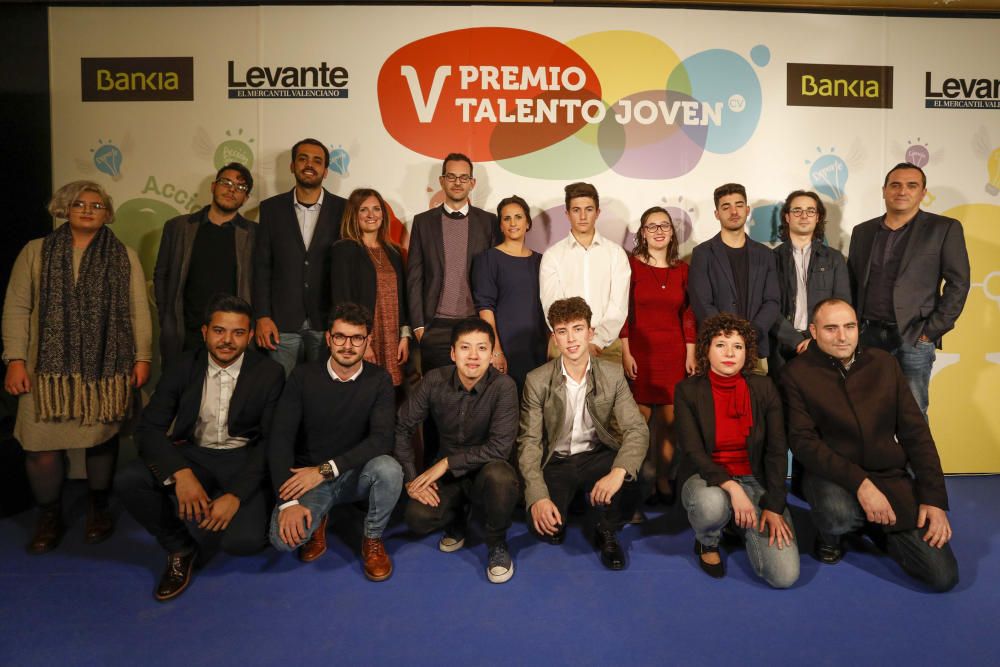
(650, 61)
(963, 412)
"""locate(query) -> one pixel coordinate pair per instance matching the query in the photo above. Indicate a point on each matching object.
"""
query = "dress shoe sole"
(372, 577)
(171, 596)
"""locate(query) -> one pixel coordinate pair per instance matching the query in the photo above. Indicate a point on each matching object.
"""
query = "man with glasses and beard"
(330, 444)
(204, 253)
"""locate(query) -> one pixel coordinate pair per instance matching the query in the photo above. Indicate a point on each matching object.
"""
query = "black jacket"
(827, 279)
(177, 402)
(353, 278)
(291, 283)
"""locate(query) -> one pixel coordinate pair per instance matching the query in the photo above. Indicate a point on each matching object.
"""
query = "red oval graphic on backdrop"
(493, 93)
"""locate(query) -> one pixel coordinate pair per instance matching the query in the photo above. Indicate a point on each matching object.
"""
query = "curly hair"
(568, 310)
(641, 248)
(725, 324)
(820, 231)
(64, 197)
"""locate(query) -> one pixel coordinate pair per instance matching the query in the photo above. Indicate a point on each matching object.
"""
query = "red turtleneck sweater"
(733, 420)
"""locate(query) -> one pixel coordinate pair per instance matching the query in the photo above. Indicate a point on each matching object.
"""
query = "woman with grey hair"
(77, 340)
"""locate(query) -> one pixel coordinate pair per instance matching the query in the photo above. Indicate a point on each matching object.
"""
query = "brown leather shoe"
(48, 530)
(378, 565)
(176, 577)
(316, 545)
(100, 523)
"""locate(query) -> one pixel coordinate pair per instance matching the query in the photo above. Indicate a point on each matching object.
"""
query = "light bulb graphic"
(339, 160)
(234, 150)
(918, 154)
(828, 175)
(108, 160)
(993, 169)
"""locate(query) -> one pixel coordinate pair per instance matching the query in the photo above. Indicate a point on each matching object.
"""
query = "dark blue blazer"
(712, 287)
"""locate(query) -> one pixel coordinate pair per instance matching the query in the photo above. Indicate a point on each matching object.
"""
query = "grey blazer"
(827, 279)
(171, 271)
(617, 420)
(934, 254)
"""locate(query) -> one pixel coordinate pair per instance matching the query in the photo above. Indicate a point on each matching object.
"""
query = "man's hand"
(140, 373)
(427, 495)
(743, 510)
(801, 347)
(938, 528)
(606, 487)
(875, 504)
(546, 517)
(220, 512)
(403, 351)
(293, 524)
(16, 381)
(777, 529)
(192, 501)
(429, 476)
(267, 334)
(301, 481)
(419, 333)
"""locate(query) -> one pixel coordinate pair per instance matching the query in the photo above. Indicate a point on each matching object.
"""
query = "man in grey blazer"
(909, 276)
(202, 254)
(580, 431)
(732, 273)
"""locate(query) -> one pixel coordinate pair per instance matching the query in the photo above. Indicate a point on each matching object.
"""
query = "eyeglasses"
(451, 178)
(807, 212)
(226, 183)
(357, 340)
(84, 205)
(661, 227)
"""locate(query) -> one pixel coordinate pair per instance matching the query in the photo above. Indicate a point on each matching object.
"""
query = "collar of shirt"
(480, 385)
(233, 369)
(464, 210)
(597, 240)
(901, 228)
(336, 378)
(569, 378)
(308, 207)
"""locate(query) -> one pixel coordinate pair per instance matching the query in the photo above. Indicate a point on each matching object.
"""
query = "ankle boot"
(99, 524)
(48, 530)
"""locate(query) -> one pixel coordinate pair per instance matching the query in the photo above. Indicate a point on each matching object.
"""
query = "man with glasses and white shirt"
(330, 443)
(809, 271)
(204, 253)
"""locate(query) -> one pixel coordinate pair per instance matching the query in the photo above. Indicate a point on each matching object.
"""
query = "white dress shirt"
(801, 257)
(600, 274)
(307, 216)
(211, 430)
(581, 436)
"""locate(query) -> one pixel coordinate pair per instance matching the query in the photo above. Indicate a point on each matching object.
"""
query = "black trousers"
(493, 490)
(154, 505)
(566, 475)
(435, 352)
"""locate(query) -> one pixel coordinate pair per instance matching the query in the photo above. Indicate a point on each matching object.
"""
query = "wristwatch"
(326, 469)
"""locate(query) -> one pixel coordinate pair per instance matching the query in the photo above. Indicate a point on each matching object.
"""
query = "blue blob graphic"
(339, 161)
(828, 175)
(108, 159)
(764, 223)
(728, 84)
(760, 55)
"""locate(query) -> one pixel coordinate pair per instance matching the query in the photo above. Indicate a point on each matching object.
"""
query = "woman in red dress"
(659, 334)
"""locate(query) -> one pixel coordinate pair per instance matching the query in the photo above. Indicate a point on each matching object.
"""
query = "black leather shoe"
(716, 571)
(176, 577)
(827, 553)
(48, 531)
(556, 539)
(612, 554)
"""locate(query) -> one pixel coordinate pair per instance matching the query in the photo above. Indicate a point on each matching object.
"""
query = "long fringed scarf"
(86, 348)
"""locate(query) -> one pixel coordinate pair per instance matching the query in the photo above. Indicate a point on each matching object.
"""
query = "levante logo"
(137, 79)
(961, 93)
(287, 81)
(547, 109)
(860, 86)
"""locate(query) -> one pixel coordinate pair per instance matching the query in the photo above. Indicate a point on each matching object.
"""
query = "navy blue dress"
(509, 287)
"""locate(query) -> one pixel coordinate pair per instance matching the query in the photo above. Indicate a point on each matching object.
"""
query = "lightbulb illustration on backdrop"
(828, 175)
(108, 160)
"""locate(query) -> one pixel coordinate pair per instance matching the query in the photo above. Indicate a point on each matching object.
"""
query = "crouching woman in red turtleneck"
(731, 434)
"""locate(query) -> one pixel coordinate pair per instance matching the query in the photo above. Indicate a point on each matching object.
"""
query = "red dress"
(659, 325)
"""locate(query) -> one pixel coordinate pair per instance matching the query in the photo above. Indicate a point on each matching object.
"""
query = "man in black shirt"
(732, 273)
(475, 407)
(203, 254)
(343, 409)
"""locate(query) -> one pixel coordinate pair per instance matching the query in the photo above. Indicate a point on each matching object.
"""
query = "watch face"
(326, 469)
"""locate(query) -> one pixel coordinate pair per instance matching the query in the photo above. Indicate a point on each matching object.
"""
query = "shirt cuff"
(336, 471)
(284, 506)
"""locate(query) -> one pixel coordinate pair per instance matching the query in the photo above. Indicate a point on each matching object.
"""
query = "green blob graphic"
(574, 157)
(233, 150)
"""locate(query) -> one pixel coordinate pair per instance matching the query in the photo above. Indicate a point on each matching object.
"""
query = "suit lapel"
(190, 232)
(190, 402)
(719, 250)
(916, 239)
(291, 221)
(556, 414)
(242, 388)
(436, 239)
(706, 413)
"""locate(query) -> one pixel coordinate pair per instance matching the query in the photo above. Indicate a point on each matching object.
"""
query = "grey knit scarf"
(86, 348)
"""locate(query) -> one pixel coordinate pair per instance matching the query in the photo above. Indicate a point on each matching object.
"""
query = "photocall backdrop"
(653, 106)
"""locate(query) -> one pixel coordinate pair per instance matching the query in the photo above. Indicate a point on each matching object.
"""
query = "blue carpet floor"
(92, 605)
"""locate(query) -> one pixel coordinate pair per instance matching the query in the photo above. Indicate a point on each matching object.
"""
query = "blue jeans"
(294, 348)
(379, 482)
(836, 512)
(709, 509)
(915, 360)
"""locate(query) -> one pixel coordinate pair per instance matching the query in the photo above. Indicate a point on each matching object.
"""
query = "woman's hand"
(743, 510)
(403, 350)
(631, 368)
(776, 527)
(498, 360)
(140, 373)
(369, 354)
(690, 364)
(16, 382)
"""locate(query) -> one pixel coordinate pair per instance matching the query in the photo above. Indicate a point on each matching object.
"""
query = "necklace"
(375, 254)
(666, 275)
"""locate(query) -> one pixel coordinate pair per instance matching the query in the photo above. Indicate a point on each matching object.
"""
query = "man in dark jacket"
(809, 271)
(869, 458)
(203, 254)
(201, 464)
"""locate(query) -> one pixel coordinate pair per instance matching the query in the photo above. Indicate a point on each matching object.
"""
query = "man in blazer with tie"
(291, 287)
(909, 276)
(202, 464)
(732, 273)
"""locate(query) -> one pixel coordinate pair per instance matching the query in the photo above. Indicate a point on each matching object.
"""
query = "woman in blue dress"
(505, 290)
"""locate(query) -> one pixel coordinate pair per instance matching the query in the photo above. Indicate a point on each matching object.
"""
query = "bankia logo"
(287, 81)
(137, 79)
(823, 85)
(946, 92)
